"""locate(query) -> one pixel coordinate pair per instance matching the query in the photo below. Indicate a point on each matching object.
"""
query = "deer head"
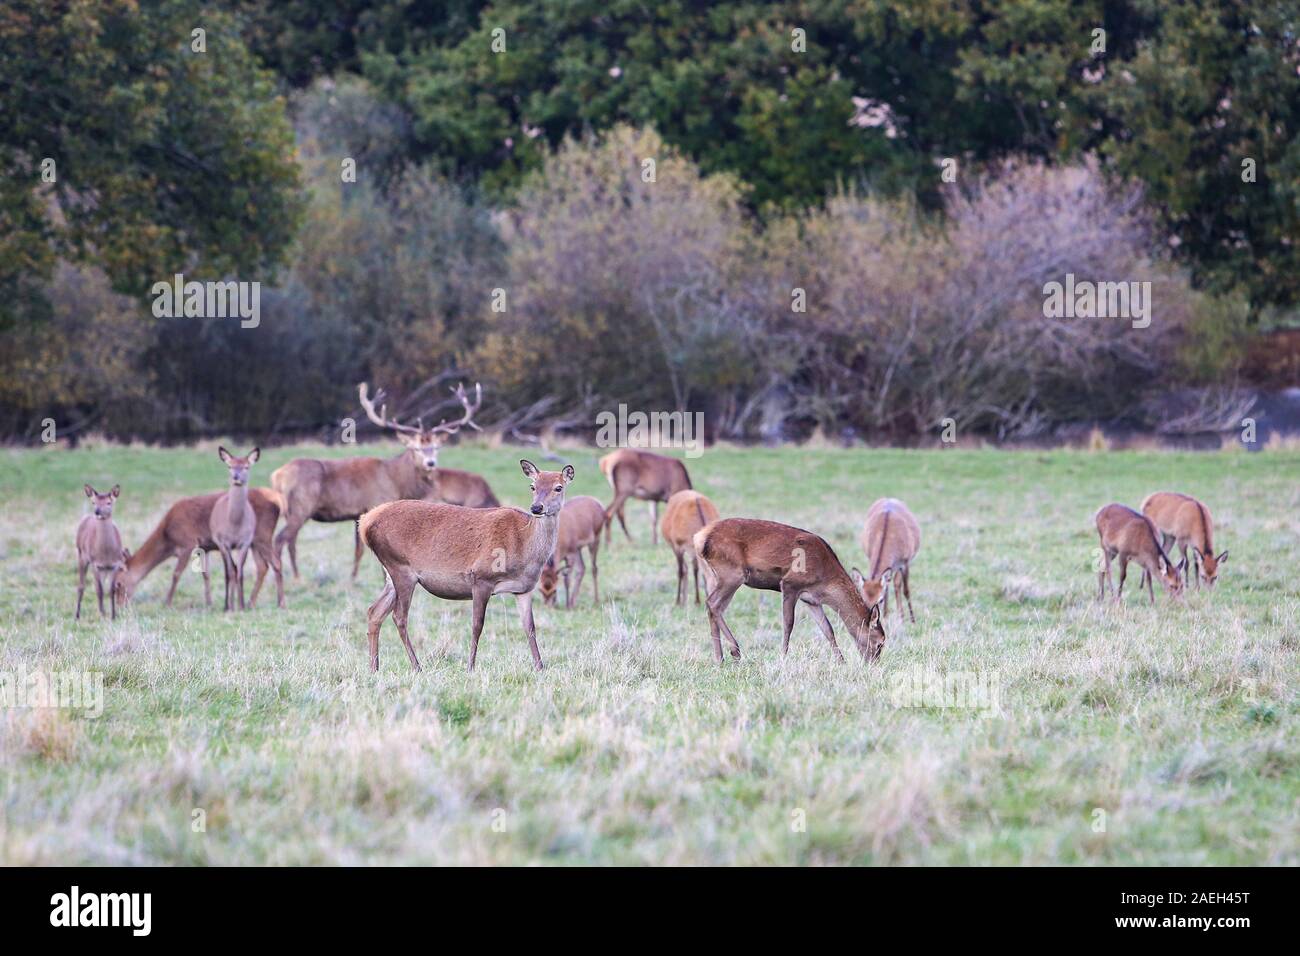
(548, 488)
(548, 584)
(423, 443)
(869, 634)
(103, 504)
(239, 466)
(1169, 575)
(1209, 565)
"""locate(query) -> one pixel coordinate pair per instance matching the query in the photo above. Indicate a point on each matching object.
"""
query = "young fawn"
(633, 473)
(581, 519)
(463, 554)
(1129, 536)
(99, 546)
(802, 566)
(233, 523)
(1184, 522)
(891, 537)
(687, 512)
(186, 527)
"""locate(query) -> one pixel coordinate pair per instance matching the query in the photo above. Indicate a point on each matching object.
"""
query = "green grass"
(1178, 722)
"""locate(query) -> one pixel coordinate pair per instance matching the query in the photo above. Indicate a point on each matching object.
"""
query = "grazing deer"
(463, 554)
(633, 473)
(234, 522)
(581, 519)
(802, 566)
(186, 527)
(687, 512)
(1183, 521)
(343, 490)
(99, 547)
(1130, 536)
(891, 538)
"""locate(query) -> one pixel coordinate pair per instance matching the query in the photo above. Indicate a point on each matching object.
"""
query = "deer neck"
(237, 497)
(411, 478)
(152, 553)
(846, 601)
(105, 542)
(540, 536)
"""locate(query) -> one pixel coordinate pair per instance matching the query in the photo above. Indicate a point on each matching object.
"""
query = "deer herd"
(445, 531)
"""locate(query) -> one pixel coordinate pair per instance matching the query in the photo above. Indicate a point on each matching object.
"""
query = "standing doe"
(328, 490)
(633, 473)
(581, 519)
(891, 538)
(99, 546)
(1183, 521)
(463, 554)
(776, 557)
(1130, 536)
(233, 523)
(687, 512)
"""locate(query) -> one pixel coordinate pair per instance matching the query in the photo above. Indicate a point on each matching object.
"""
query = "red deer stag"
(634, 473)
(99, 548)
(580, 522)
(463, 554)
(343, 490)
(687, 512)
(186, 527)
(802, 566)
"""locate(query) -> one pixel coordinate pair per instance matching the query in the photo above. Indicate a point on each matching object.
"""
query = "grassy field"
(1122, 735)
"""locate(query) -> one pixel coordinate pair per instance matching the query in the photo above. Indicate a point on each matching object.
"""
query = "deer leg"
(1123, 573)
(789, 596)
(262, 566)
(717, 603)
(525, 604)
(577, 584)
(359, 546)
(99, 591)
(112, 595)
(907, 592)
(595, 581)
(404, 587)
(81, 587)
(681, 580)
(898, 592)
(239, 575)
(819, 615)
(205, 569)
(481, 593)
(616, 509)
(654, 522)
(289, 536)
(1150, 588)
(382, 607)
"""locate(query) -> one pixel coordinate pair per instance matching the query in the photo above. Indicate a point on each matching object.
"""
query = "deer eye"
(559, 487)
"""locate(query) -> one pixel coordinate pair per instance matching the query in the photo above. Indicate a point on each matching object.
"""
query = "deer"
(769, 556)
(343, 490)
(891, 538)
(581, 520)
(634, 473)
(99, 548)
(233, 523)
(185, 528)
(463, 554)
(1184, 522)
(1129, 536)
(687, 512)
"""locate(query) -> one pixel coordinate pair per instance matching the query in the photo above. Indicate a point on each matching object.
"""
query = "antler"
(380, 418)
(450, 428)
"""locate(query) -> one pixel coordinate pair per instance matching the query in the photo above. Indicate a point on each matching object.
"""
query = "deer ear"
(568, 473)
(223, 454)
(255, 454)
(1164, 566)
(530, 470)
(873, 616)
(857, 577)
(1221, 558)
(90, 492)
(887, 577)
(117, 490)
